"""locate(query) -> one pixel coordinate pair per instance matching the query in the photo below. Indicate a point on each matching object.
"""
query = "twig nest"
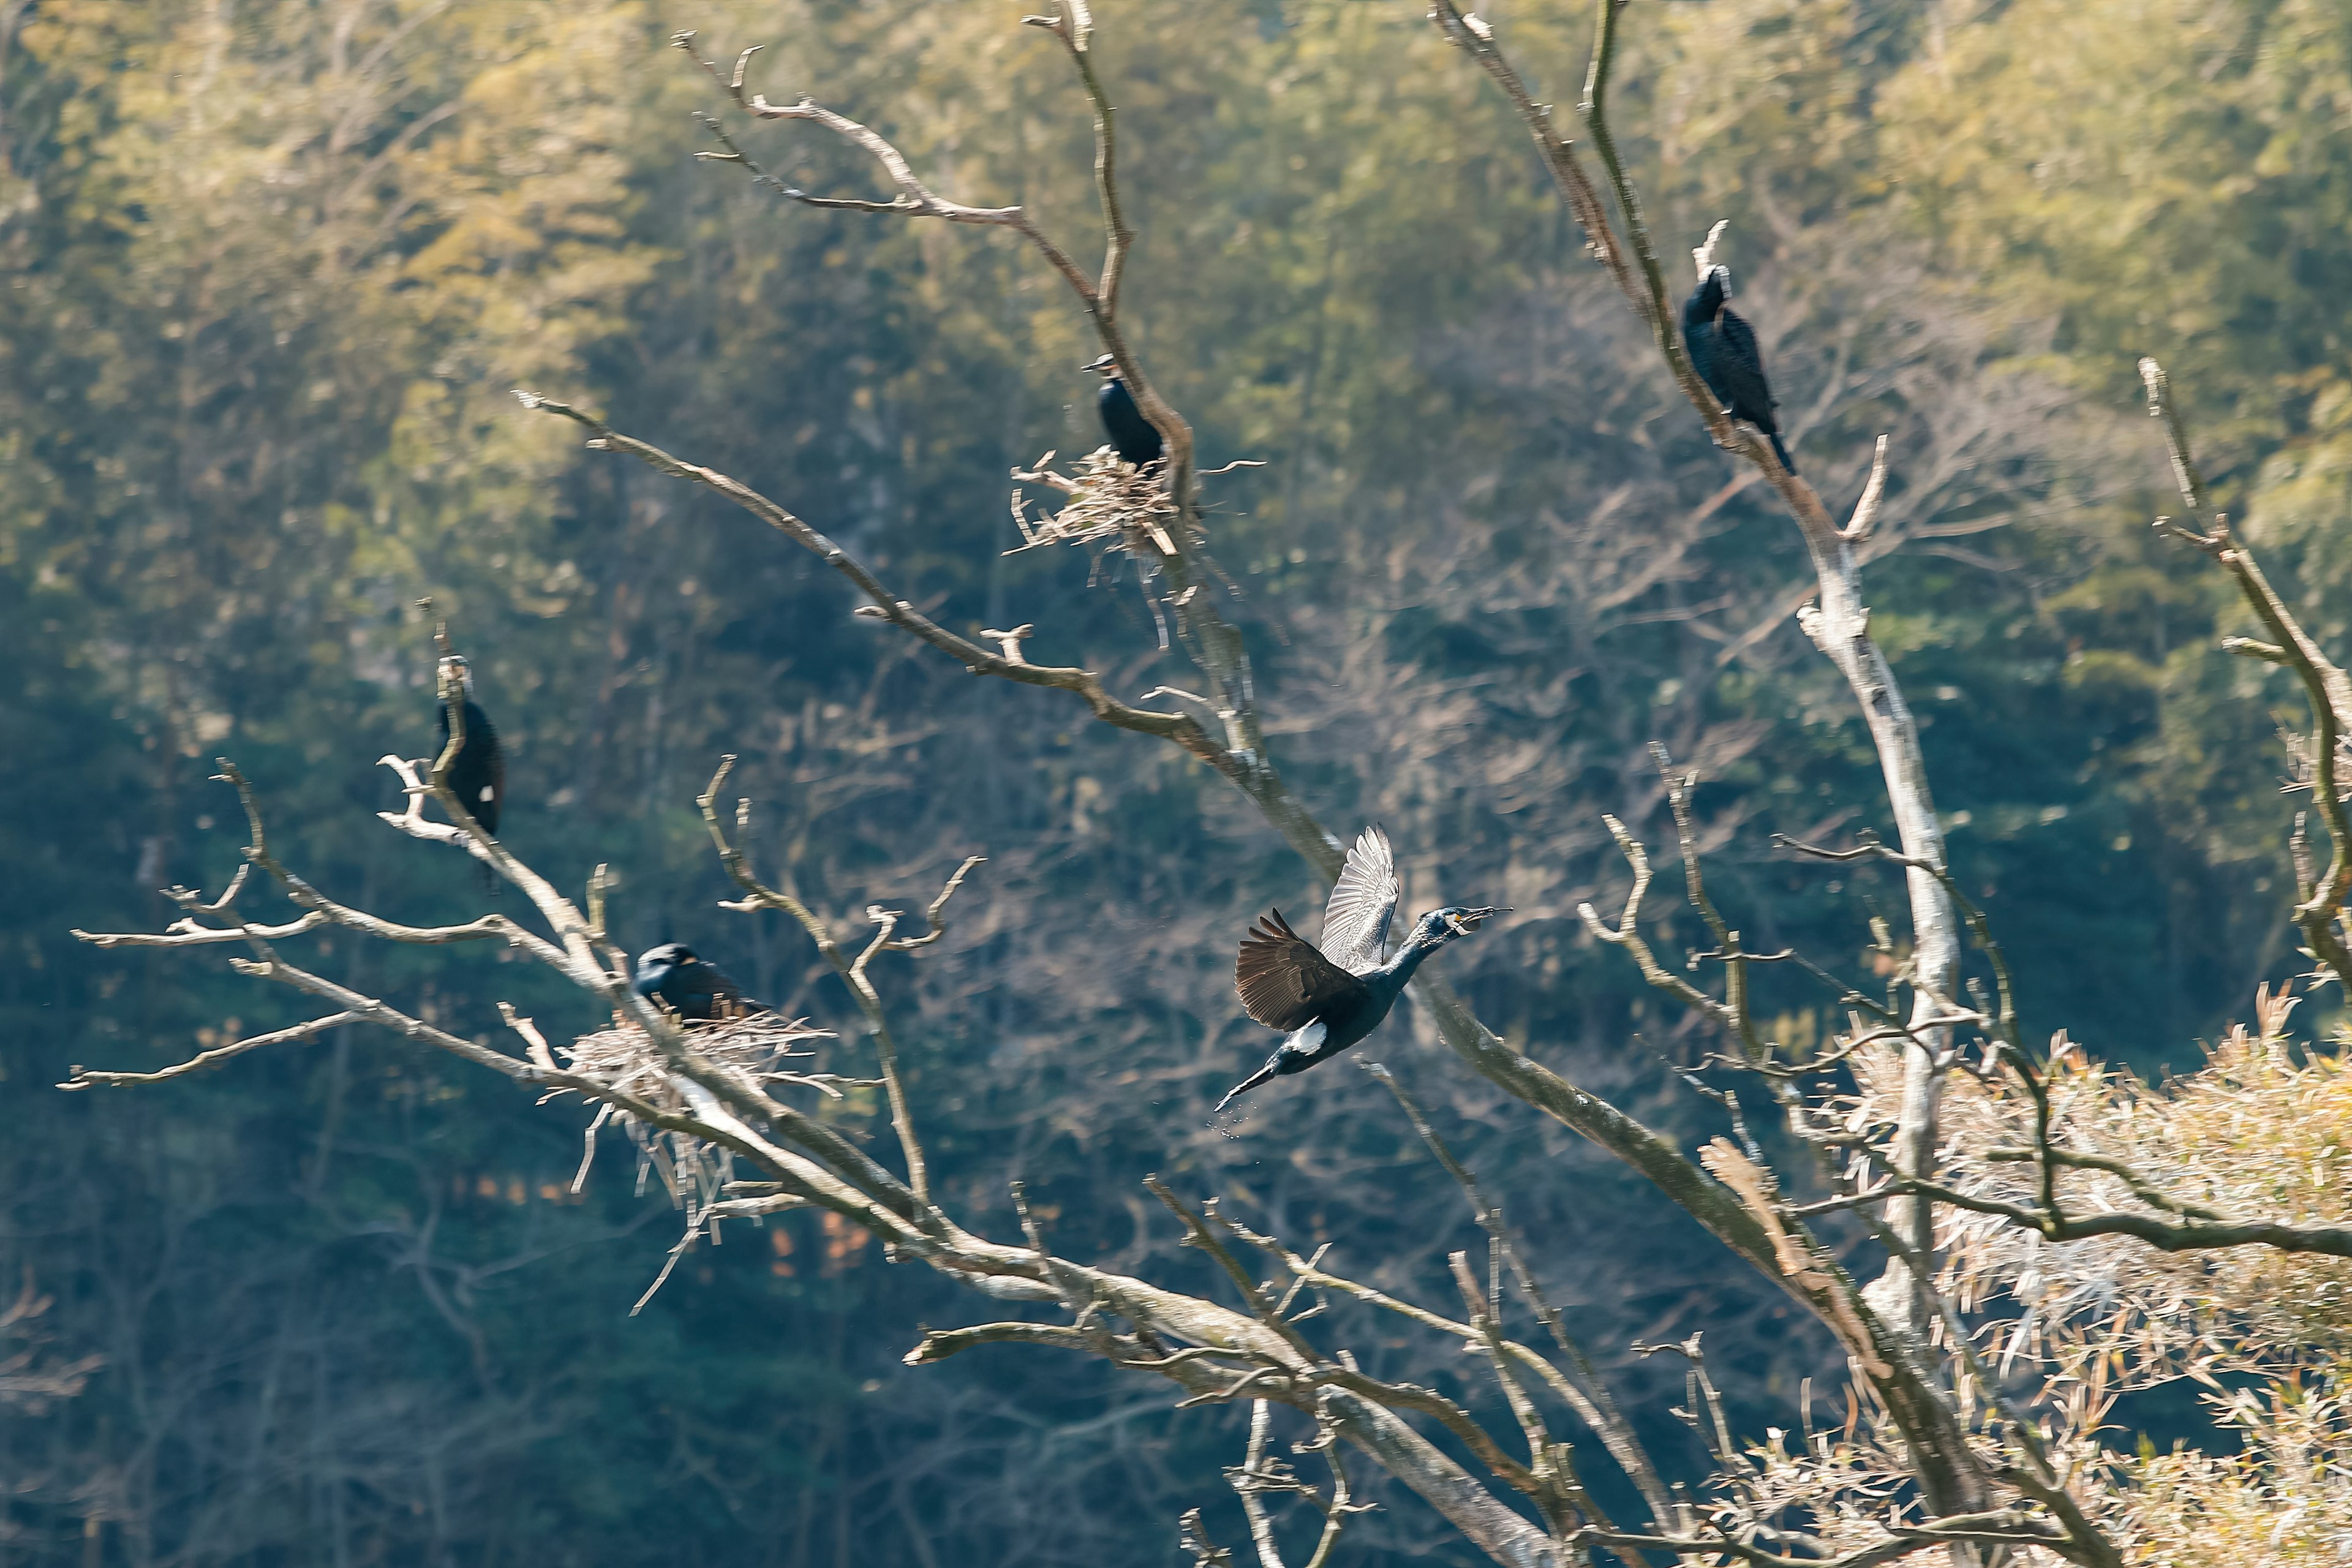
(1107, 502)
(755, 1046)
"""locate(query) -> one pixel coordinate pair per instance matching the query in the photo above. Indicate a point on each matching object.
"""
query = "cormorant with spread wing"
(1136, 437)
(1328, 998)
(478, 777)
(1722, 351)
(694, 989)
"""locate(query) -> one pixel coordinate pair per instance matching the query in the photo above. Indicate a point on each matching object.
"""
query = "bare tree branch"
(1838, 623)
(81, 1078)
(2330, 690)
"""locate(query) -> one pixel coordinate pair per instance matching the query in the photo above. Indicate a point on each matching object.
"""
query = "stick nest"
(1107, 502)
(754, 1048)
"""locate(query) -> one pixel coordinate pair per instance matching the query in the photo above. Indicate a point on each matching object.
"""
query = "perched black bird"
(692, 988)
(1722, 351)
(478, 777)
(1136, 438)
(1327, 999)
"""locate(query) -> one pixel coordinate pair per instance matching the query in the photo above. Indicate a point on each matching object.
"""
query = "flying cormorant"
(1328, 998)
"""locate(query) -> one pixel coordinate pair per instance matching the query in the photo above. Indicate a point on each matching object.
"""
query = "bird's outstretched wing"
(1738, 367)
(1363, 902)
(1283, 979)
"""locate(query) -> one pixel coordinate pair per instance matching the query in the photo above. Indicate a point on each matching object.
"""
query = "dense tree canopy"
(273, 269)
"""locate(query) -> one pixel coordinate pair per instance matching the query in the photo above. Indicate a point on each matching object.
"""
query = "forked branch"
(2318, 913)
(1838, 623)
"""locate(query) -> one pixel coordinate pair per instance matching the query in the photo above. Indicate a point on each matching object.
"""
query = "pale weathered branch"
(1252, 1493)
(82, 1077)
(1873, 491)
(1627, 935)
(188, 933)
(1576, 187)
(1217, 648)
(1591, 1401)
(1561, 1502)
(1099, 297)
(807, 1164)
(1839, 624)
(2003, 1021)
(914, 196)
(757, 895)
(886, 607)
(2318, 914)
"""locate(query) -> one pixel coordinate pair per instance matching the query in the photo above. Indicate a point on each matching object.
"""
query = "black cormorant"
(478, 777)
(693, 989)
(1326, 999)
(1136, 437)
(1722, 351)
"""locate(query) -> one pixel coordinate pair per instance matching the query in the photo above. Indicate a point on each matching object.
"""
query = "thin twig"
(79, 1076)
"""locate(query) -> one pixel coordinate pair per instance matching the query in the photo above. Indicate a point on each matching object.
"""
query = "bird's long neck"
(1704, 301)
(1398, 969)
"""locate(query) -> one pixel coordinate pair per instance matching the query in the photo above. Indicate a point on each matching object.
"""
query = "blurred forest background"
(271, 269)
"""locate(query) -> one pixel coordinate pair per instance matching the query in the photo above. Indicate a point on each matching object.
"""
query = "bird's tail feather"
(1263, 1074)
(1781, 452)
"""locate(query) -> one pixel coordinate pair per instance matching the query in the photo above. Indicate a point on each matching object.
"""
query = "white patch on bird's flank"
(1310, 1038)
(487, 792)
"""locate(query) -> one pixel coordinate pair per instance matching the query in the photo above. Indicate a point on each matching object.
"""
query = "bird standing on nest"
(1136, 438)
(696, 991)
(1328, 998)
(1722, 351)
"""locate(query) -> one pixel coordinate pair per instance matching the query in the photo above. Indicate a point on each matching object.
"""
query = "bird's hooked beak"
(1106, 366)
(1462, 922)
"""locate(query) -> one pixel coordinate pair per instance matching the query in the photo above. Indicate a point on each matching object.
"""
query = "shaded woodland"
(273, 271)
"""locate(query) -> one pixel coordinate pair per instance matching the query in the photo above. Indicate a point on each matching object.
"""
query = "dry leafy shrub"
(1839, 1488)
(1830, 1492)
(2259, 1134)
(2284, 1501)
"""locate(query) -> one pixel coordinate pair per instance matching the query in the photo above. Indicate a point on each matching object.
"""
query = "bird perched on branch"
(1328, 998)
(478, 776)
(1136, 438)
(1722, 351)
(690, 987)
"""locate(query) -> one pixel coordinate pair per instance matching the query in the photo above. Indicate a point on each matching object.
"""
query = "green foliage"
(272, 271)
